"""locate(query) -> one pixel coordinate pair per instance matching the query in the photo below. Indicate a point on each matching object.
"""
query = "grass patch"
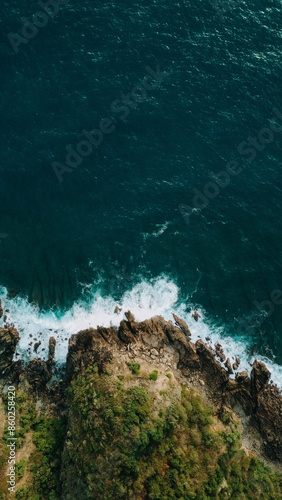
(153, 375)
(134, 367)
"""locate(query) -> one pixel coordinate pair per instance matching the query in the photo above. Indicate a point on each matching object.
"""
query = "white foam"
(144, 300)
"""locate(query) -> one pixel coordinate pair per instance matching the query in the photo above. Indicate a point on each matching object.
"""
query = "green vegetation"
(20, 468)
(44, 463)
(168, 375)
(134, 367)
(125, 442)
(49, 435)
(122, 446)
(153, 375)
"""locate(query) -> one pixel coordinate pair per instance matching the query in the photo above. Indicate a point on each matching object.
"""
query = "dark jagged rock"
(36, 345)
(86, 348)
(51, 352)
(182, 325)
(195, 315)
(1, 309)
(260, 376)
(220, 353)
(212, 371)
(241, 377)
(228, 366)
(37, 374)
(9, 338)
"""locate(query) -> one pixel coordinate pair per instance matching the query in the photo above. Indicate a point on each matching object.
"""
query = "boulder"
(228, 366)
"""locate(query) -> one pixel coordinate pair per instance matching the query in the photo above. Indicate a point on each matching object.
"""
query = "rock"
(195, 315)
(117, 310)
(241, 377)
(37, 374)
(1, 309)
(228, 366)
(51, 352)
(36, 345)
(212, 371)
(260, 376)
(235, 366)
(9, 338)
(238, 360)
(220, 353)
(182, 325)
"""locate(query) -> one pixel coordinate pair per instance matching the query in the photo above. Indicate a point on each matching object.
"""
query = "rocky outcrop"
(1, 309)
(51, 352)
(260, 400)
(37, 374)
(9, 338)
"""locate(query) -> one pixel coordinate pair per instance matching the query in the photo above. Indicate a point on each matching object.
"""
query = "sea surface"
(122, 227)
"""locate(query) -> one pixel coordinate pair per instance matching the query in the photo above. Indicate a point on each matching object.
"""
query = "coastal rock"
(36, 345)
(1, 309)
(37, 374)
(86, 348)
(241, 377)
(9, 338)
(260, 376)
(182, 325)
(51, 352)
(212, 371)
(195, 315)
(228, 366)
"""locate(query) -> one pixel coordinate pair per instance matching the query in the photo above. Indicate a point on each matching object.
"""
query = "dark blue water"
(114, 221)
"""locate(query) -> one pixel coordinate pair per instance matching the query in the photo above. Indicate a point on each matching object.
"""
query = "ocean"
(141, 166)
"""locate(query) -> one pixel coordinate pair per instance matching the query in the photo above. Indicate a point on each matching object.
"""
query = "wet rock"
(182, 325)
(212, 371)
(235, 366)
(117, 310)
(51, 351)
(228, 366)
(195, 315)
(220, 353)
(1, 309)
(238, 360)
(36, 345)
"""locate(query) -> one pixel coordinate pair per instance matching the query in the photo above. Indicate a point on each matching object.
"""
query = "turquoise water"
(118, 220)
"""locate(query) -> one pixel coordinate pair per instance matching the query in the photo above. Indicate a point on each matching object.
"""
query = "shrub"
(134, 367)
(153, 375)
(20, 468)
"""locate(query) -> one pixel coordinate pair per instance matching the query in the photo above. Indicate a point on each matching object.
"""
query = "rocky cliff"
(162, 349)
